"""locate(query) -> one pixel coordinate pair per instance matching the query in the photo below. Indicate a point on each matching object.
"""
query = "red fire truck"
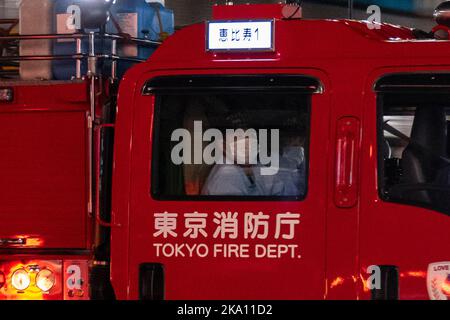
(95, 203)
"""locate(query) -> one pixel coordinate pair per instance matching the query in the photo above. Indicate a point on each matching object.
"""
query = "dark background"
(413, 13)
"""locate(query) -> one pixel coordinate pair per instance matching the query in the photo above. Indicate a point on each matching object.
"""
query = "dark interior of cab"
(415, 148)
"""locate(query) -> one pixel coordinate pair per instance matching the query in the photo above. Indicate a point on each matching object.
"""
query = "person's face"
(242, 151)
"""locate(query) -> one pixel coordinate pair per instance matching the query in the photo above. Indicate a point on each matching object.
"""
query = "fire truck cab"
(258, 155)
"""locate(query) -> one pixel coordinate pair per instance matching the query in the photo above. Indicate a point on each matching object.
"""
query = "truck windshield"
(414, 149)
(231, 145)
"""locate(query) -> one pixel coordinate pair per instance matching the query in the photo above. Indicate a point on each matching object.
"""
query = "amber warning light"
(240, 36)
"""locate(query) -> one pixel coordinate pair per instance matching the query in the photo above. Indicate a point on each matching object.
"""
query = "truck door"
(228, 187)
(405, 212)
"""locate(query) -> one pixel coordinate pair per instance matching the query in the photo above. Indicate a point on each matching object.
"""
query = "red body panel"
(44, 185)
(337, 243)
(245, 273)
(344, 227)
(394, 234)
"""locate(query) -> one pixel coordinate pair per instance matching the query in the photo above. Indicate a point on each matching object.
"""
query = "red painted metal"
(251, 278)
(347, 162)
(44, 166)
(44, 185)
(338, 242)
(46, 199)
(403, 235)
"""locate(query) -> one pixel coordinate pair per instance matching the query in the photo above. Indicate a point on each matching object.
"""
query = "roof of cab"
(298, 41)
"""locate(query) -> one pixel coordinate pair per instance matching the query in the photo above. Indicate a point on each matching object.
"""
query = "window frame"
(269, 87)
(404, 83)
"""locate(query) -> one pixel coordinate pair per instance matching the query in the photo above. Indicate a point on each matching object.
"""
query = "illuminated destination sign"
(240, 36)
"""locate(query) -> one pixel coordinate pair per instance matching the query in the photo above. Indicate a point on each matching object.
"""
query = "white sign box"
(240, 35)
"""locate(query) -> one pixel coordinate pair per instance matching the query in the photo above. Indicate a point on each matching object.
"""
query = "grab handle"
(347, 162)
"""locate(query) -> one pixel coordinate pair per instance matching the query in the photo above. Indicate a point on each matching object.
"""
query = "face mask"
(243, 152)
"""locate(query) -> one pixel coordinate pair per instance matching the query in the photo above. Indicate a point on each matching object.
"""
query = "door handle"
(13, 242)
(389, 289)
(347, 162)
(151, 282)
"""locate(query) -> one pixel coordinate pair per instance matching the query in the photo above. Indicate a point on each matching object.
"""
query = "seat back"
(428, 143)
(448, 139)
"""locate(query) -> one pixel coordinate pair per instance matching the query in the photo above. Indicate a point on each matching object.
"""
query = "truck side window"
(231, 145)
(413, 149)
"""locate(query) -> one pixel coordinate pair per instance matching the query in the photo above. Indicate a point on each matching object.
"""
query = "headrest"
(430, 129)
